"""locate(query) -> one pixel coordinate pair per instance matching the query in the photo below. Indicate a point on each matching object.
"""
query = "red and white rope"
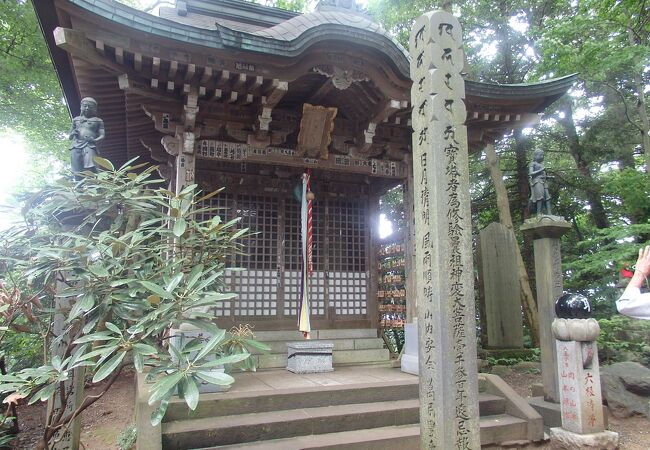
(310, 228)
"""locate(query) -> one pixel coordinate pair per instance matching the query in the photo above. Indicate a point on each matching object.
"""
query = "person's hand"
(642, 266)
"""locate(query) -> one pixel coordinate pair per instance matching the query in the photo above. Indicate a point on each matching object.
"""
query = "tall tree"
(31, 102)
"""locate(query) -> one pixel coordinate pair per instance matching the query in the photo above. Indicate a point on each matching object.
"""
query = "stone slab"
(501, 285)
(410, 356)
(562, 439)
(309, 356)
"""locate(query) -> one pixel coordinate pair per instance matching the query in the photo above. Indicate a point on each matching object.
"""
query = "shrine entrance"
(267, 276)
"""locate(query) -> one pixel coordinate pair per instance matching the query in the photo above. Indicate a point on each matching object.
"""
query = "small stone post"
(69, 437)
(546, 231)
(443, 238)
(579, 387)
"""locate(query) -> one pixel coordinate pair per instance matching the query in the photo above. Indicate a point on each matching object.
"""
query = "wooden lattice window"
(348, 280)
(221, 205)
(292, 260)
(257, 278)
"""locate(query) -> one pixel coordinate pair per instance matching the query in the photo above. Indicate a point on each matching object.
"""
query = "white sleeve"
(634, 304)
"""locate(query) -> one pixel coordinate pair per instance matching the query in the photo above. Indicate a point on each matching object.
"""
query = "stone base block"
(562, 439)
(309, 356)
(410, 364)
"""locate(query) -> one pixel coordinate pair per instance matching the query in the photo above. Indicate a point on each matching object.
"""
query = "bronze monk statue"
(87, 130)
(540, 199)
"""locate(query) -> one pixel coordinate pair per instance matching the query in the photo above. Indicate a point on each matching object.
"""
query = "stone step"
(339, 344)
(343, 333)
(279, 360)
(270, 425)
(405, 437)
(247, 402)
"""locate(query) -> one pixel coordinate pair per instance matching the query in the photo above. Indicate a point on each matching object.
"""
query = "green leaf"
(82, 305)
(210, 195)
(158, 413)
(257, 345)
(153, 287)
(210, 345)
(190, 392)
(104, 163)
(164, 386)
(179, 227)
(99, 336)
(238, 234)
(98, 270)
(230, 359)
(108, 367)
(214, 377)
(44, 394)
(194, 275)
(145, 349)
(138, 362)
(174, 282)
(113, 328)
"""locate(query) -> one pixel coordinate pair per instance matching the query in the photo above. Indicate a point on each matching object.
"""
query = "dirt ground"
(105, 420)
(101, 424)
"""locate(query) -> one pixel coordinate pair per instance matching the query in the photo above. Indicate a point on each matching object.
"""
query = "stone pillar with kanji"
(449, 416)
(583, 422)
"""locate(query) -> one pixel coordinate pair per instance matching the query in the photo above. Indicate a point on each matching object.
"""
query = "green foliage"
(392, 205)
(127, 438)
(31, 102)
(623, 339)
(131, 260)
(6, 435)
(512, 357)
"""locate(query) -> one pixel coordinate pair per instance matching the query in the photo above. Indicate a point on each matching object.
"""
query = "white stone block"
(309, 356)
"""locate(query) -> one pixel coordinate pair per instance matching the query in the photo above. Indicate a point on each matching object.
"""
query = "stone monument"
(449, 417)
(546, 230)
(501, 285)
(87, 130)
(580, 393)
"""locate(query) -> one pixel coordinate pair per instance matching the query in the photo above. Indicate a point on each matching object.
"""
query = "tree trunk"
(590, 187)
(639, 85)
(527, 299)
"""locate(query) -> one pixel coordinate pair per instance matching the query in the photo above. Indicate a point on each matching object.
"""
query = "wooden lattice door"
(267, 278)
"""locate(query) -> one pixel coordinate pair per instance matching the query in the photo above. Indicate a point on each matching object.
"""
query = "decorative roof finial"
(350, 5)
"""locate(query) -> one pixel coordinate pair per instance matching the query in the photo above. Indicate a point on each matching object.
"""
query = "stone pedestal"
(581, 400)
(449, 417)
(501, 285)
(410, 355)
(546, 231)
(309, 356)
(566, 440)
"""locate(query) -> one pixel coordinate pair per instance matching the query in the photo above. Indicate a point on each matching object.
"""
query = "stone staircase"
(351, 346)
(360, 415)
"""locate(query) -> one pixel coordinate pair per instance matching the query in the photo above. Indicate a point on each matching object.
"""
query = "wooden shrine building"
(231, 93)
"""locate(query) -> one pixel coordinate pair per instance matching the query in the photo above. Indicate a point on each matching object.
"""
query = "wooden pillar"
(409, 245)
(449, 416)
(371, 254)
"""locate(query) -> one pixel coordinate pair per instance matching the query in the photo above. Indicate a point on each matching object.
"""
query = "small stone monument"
(309, 356)
(579, 378)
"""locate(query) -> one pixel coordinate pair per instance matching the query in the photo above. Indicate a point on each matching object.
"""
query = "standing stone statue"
(87, 130)
(540, 200)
